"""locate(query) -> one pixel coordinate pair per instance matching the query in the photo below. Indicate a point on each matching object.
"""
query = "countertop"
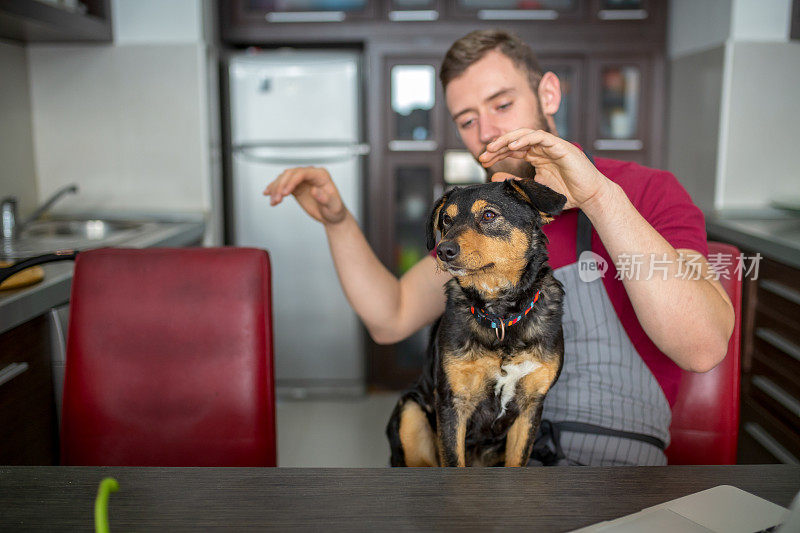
(347, 499)
(19, 306)
(772, 233)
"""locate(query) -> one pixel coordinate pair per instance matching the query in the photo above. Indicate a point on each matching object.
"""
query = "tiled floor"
(334, 432)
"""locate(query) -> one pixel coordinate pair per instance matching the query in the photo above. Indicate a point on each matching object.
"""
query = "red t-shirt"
(664, 203)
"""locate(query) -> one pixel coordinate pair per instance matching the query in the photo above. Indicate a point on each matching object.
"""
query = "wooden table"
(203, 499)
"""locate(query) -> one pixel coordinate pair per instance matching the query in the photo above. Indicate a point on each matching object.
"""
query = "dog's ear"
(543, 199)
(433, 221)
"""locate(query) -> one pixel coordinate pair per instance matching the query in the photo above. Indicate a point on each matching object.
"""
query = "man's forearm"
(688, 319)
(371, 289)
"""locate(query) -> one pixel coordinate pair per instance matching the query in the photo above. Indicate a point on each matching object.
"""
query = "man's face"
(490, 98)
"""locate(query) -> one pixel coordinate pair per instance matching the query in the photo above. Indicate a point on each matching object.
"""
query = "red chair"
(705, 417)
(169, 359)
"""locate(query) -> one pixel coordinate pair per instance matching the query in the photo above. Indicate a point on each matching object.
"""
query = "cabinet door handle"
(422, 15)
(11, 371)
(618, 144)
(622, 14)
(517, 14)
(776, 393)
(780, 289)
(413, 146)
(779, 341)
(305, 16)
(768, 441)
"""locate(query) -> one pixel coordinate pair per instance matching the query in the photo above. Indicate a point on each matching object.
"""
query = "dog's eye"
(446, 219)
(489, 215)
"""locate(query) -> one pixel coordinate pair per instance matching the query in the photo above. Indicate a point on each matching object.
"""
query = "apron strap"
(583, 240)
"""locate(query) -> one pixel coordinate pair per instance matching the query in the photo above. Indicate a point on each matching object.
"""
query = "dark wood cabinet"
(28, 422)
(770, 393)
(36, 21)
(608, 54)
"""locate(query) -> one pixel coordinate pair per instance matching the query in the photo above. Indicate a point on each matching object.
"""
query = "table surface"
(351, 499)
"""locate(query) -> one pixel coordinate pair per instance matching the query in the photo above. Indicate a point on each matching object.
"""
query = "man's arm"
(690, 320)
(391, 309)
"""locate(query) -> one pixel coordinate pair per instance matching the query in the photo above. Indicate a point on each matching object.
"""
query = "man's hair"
(473, 46)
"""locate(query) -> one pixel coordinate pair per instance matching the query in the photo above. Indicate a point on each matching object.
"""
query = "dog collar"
(499, 323)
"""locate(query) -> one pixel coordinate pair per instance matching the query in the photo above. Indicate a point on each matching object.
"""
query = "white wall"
(693, 121)
(695, 26)
(733, 104)
(157, 21)
(761, 161)
(17, 175)
(129, 122)
(761, 20)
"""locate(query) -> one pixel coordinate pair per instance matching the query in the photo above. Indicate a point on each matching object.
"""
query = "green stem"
(107, 486)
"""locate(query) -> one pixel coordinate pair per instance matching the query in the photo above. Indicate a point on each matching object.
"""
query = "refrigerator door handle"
(276, 154)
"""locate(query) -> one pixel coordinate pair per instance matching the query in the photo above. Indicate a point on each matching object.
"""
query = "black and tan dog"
(499, 346)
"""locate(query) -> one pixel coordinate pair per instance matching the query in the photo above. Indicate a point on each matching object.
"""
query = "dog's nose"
(447, 250)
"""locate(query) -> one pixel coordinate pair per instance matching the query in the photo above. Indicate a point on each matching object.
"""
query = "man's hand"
(559, 164)
(314, 190)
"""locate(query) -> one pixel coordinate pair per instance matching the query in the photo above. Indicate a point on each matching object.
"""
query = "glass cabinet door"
(414, 122)
(413, 197)
(617, 123)
(413, 10)
(567, 117)
(416, 180)
(620, 92)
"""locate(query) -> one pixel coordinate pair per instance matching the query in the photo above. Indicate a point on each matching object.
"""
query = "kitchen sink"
(45, 236)
(89, 230)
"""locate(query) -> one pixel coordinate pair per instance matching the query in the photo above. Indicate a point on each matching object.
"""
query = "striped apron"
(606, 407)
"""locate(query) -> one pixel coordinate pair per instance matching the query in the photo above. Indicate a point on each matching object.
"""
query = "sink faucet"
(10, 227)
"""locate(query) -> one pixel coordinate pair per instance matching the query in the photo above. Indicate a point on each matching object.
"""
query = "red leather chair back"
(705, 417)
(169, 359)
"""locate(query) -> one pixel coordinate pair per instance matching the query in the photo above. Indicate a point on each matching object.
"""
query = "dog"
(499, 346)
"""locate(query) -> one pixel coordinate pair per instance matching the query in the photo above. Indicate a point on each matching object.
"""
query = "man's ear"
(433, 221)
(543, 199)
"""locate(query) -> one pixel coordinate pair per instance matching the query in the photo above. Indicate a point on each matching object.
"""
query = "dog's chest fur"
(481, 374)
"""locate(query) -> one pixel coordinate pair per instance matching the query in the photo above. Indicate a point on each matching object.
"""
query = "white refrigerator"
(299, 108)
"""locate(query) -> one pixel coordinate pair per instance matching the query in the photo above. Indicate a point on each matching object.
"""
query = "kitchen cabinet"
(43, 21)
(770, 391)
(28, 422)
(264, 21)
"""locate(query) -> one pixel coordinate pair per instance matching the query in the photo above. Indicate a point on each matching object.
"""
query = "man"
(624, 338)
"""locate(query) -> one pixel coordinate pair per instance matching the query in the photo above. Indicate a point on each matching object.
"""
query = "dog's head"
(491, 232)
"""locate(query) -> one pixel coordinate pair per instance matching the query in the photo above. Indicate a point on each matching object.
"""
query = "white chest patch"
(507, 385)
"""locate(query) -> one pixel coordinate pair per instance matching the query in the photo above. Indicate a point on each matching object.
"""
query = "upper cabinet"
(242, 18)
(56, 20)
